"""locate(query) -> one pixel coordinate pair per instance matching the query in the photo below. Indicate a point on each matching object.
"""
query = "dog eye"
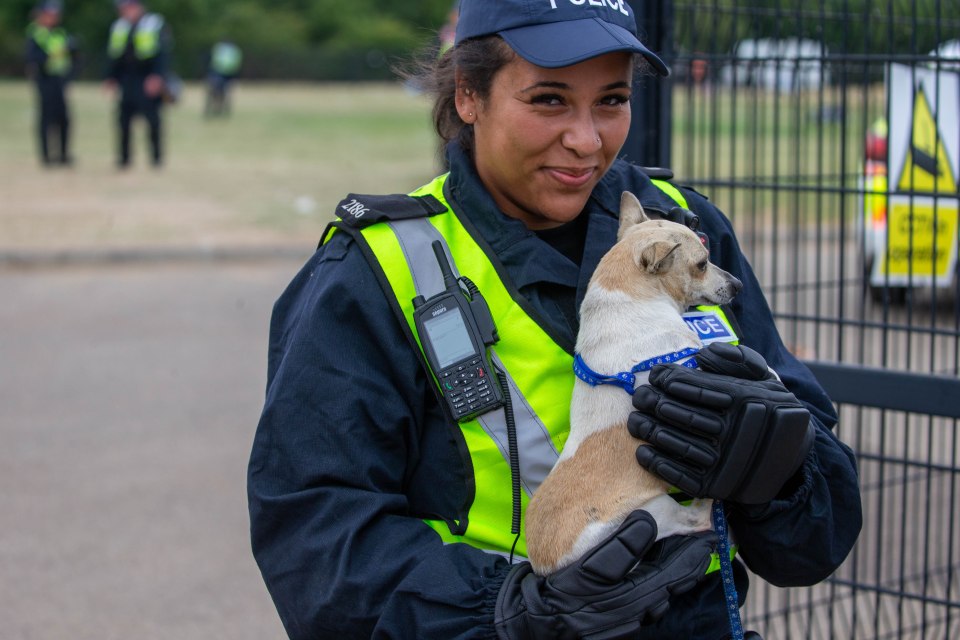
(702, 265)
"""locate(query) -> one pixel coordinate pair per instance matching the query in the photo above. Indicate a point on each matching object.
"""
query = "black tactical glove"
(730, 430)
(607, 594)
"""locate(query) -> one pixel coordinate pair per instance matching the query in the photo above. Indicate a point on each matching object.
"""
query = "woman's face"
(545, 137)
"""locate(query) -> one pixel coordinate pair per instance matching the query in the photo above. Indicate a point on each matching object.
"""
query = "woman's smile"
(568, 177)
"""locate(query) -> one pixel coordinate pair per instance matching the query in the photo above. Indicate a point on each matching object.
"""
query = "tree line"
(361, 39)
(294, 39)
(847, 28)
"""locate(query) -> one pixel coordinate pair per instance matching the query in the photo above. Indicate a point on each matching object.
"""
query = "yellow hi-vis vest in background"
(540, 373)
(56, 44)
(146, 37)
(226, 58)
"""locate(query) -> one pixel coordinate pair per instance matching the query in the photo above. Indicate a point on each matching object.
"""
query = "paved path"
(129, 395)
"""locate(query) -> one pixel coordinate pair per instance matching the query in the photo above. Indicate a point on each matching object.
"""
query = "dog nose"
(736, 284)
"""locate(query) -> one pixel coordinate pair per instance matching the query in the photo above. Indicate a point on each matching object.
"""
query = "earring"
(598, 140)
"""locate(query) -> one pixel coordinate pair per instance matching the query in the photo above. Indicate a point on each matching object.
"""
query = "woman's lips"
(571, 177)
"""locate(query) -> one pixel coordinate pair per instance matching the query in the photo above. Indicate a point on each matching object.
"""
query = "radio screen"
(449, 337)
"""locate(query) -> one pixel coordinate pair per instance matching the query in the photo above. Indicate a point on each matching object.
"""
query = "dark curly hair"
(478, 60)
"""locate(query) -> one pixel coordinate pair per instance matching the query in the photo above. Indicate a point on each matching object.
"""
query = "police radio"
(455, 328)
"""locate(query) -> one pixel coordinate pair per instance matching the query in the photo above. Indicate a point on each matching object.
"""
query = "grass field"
(270, 174)
(273, 172)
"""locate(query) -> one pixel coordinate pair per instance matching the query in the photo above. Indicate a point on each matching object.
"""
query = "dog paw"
(674, 518)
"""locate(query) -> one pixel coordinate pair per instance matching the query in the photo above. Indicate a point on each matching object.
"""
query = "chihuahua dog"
(632, 312)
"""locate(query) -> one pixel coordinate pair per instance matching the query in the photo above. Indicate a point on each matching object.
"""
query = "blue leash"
(626, 380)
(726, 571)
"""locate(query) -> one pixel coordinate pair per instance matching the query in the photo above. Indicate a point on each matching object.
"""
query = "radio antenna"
(449, 282)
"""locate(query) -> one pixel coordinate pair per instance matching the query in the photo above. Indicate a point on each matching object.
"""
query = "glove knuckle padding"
(790, 427)
(685, 560)
(766, 442)
(669, 472)
(733, 360)
(681, 415)
(640, 426)
(699, 387)
(735, 465)
(681, 446)
(645, 398)
(675, 474)
(610, 561)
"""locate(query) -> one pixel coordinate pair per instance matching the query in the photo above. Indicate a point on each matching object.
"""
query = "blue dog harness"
(628, 379)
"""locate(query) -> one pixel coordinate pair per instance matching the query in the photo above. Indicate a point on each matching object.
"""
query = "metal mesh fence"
(777, 108)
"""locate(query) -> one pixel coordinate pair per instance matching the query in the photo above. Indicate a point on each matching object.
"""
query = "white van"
(791, 64)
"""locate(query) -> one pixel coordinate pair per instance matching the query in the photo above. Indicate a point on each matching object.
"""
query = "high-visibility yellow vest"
(539, 371)
(146, 37)
(226, 58)
(540, 387)
(56, 44)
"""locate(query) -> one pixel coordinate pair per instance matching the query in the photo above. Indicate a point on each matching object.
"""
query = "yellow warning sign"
(921, 243)
(926, 168)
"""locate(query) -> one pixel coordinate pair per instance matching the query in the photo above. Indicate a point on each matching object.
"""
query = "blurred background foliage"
(281, 39)
(846, 27)
(362, 39)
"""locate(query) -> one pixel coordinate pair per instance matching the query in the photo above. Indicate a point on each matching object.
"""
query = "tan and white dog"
(630, 313)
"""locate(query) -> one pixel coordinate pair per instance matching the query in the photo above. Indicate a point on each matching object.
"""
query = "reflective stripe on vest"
(56, 44)
(146, 38)
(540, 387)
(671, 191)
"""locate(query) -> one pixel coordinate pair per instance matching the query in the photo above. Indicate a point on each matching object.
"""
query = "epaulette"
(658, 173)
(679, 214)
(359, 211)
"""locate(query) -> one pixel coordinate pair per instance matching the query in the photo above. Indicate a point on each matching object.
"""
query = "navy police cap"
(556, 33)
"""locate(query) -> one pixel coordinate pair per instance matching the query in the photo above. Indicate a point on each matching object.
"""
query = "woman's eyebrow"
(548, 84)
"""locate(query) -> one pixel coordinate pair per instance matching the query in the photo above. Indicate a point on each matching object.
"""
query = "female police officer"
(386, 484)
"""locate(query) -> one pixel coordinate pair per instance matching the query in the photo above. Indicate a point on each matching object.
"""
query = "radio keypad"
(467, 386)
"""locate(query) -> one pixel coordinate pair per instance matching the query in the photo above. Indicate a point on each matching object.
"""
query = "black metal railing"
(775, 106)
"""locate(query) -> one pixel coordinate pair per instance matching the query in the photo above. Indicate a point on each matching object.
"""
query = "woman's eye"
(615, 100)
(548, 99)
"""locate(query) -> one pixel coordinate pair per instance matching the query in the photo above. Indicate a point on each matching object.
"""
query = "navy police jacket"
(353, 451)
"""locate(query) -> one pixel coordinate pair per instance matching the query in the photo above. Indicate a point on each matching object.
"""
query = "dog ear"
(631, 213)
(657, 257)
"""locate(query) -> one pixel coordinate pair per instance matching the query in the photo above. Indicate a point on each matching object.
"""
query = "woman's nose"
(583, 137)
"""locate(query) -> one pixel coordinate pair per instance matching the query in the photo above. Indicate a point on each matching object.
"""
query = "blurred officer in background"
(139, 52)
(225, 61)
(51, 62)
